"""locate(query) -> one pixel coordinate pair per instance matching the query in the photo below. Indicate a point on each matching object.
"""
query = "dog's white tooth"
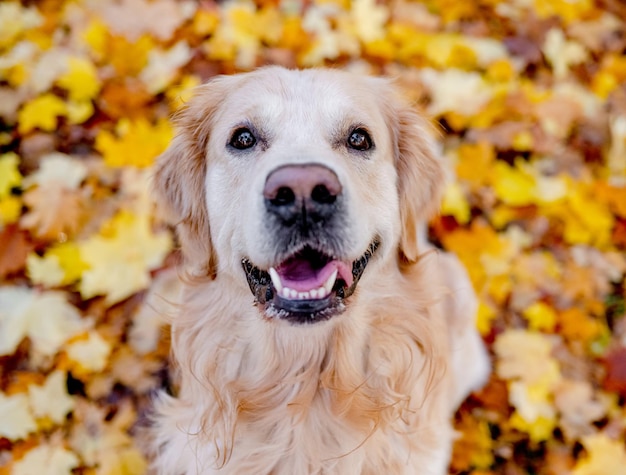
(293, 294)
(278, 285)
(328, 285)
(303, 296)
(313, 293)
(286, 292)
(321, 293)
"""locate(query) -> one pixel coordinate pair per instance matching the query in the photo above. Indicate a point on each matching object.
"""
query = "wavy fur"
(369, 392)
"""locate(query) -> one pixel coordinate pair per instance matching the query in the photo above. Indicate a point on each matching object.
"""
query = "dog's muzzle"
(307, 287)
(308, 283)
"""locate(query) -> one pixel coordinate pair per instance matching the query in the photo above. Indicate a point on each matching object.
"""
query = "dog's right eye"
(242, 139)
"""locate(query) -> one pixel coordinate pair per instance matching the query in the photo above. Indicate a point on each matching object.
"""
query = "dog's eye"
(242, 139)
(359, 140)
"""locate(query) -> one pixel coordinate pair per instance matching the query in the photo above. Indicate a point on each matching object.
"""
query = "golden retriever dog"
(317, 333)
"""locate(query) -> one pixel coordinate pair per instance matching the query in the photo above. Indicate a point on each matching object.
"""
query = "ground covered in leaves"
(530, 97)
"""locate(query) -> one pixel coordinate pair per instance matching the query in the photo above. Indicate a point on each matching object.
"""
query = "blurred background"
(529, 98)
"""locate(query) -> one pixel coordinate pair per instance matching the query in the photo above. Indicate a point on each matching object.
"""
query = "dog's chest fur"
(350, 400)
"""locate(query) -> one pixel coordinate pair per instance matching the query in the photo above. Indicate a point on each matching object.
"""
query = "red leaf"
(615, 363)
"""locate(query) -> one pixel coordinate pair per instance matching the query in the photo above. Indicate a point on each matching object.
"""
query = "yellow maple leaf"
(10, 176)
(205, 22)
(68, 255)
(42, 113)
(513, 185)
(135, 143)
(568, 10)
(455, 204)
(604, 456)
(60, 265)
(475, 162)
(540, 316)
(81, 80)
(79, 111)
(484, 316)
(17, 420)
(10, 210)
(121, 257)
(587, 220)
(539, 430)
(96, 36)
(483, 252)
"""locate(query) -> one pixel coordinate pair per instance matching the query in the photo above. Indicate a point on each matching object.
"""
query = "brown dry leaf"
(557, 114)
(615, 363)
(134, 371)
(578, 408)
(55, 212)
(14, 247)
(126, 98)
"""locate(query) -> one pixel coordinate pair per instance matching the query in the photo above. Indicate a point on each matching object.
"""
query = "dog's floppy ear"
(179, 177)
(420, 174)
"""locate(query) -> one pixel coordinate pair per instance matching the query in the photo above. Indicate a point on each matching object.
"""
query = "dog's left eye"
(359, 140)
(242, 139)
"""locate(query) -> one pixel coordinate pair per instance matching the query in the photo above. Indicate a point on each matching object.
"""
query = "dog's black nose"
(306, 193)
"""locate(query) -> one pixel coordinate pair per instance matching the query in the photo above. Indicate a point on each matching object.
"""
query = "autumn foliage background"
(530, 98)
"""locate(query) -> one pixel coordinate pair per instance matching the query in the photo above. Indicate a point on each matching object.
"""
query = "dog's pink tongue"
(301, 276)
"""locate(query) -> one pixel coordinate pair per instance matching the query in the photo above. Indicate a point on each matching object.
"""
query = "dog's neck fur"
(342, 380)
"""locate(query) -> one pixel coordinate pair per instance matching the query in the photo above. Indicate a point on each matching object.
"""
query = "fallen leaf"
(44, 317)
(46, 460)
(58, 169)
(135, 143)
(14, 248)
(163, 66)
(10, 177)
(51, 399)
(615, 364)
(132, 18)
(55, 212)
(119, 263)
(17, 419)
(604, 456)
(577, 407)
(41, 113)
(89, 355)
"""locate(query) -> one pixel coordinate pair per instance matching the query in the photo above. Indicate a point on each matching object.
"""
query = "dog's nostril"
(322, 195)
(284, 196)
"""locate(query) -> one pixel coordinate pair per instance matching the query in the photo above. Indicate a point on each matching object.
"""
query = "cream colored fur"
(372, 390)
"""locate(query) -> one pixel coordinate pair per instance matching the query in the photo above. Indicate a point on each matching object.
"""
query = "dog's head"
(294, 181)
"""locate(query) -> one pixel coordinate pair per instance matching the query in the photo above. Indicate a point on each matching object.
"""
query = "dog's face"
(294, 181)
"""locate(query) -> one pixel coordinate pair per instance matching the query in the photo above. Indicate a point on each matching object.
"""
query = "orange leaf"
(14, 247)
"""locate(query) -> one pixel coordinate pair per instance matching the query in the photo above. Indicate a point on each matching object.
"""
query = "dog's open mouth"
(308, 286)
